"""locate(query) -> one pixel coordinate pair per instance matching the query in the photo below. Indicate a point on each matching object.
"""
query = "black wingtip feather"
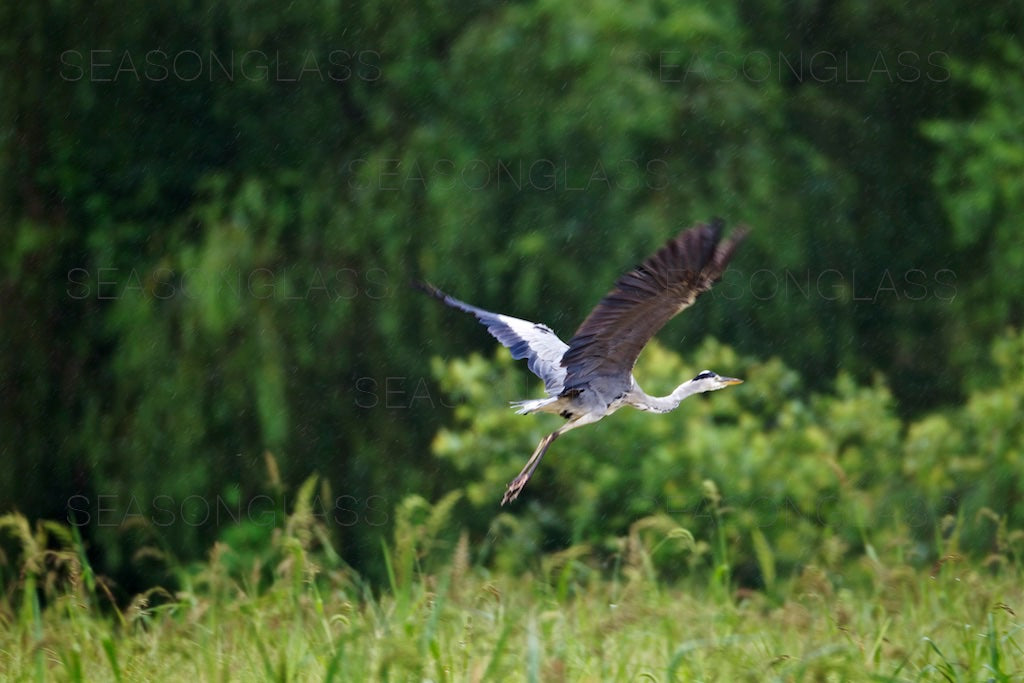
(427, 288)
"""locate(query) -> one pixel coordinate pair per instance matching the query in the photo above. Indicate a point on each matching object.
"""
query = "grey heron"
(592, 376)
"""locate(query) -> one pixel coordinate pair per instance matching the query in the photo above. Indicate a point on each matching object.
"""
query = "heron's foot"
(514, 487)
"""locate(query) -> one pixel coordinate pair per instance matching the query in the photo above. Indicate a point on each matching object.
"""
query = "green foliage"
(205, 312)
(771, 478)
(453, 620)
(209, 214)
(967, 463)
(980, 174)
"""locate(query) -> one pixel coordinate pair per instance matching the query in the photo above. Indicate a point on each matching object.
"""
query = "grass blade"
(111, 650)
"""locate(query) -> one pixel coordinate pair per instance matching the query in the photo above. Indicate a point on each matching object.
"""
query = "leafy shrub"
(764, 477)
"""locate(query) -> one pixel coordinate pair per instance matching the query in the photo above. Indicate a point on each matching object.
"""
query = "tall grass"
(572, 619)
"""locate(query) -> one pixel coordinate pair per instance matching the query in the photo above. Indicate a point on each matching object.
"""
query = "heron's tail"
(533, 405)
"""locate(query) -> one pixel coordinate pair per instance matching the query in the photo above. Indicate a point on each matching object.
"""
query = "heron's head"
(712, 381)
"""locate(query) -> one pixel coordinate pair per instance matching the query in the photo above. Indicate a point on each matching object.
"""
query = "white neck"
(641, 400)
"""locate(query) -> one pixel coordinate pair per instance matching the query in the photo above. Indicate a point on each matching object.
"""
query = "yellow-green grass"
(569, 620)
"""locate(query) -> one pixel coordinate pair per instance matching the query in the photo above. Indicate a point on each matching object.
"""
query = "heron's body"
(591, 377)
(603, 400)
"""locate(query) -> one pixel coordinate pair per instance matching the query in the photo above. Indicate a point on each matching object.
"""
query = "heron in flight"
(592, 376)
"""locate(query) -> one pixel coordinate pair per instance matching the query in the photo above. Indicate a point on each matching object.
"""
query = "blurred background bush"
(210, 214)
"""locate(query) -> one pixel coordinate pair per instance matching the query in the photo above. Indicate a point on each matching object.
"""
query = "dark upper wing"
(536, 342)
(643, 300)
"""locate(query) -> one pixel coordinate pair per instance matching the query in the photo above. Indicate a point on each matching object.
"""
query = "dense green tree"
(980, 179)
(211, 213)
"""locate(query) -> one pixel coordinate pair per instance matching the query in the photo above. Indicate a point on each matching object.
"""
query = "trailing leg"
(514, 487)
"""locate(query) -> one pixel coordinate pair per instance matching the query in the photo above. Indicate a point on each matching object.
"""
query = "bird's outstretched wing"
(536, 342)
(643, 300)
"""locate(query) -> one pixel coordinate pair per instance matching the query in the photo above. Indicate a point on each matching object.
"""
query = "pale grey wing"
(643, 300)
(537, 343)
